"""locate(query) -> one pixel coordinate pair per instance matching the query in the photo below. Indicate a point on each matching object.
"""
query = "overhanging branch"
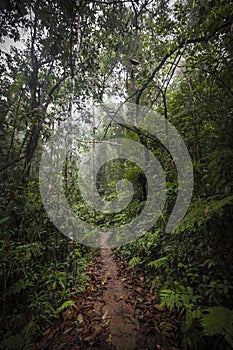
(183, 43)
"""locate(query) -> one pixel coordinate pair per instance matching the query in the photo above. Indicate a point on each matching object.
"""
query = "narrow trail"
(123, 325)
(116, 312)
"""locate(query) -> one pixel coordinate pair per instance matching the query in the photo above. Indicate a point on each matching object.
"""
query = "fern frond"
(134, 261)
(65, 305)
(170, 298)
(219, 320)
(158, 263)
(202, 211)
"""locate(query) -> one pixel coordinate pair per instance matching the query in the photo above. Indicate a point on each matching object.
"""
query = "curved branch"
(183, 43)
(50, 94)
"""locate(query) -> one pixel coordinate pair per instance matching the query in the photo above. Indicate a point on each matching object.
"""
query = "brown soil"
(123, 325)
(117, 311)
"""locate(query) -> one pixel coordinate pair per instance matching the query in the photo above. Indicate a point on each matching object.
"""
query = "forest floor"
(117, 311)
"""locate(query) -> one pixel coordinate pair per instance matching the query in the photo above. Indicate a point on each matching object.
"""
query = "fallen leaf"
(68, 330)
(159, 307)
(165, 326)
(105, 315)
(80, 318)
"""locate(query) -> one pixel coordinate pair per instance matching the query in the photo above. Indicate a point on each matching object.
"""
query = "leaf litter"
(117, 311)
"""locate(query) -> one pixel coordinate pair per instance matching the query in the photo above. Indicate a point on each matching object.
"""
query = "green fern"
(202, 211)
(134, 261)
(158, 263)
(170, 298)
(184, 300)
(219, 320)
(65, 305)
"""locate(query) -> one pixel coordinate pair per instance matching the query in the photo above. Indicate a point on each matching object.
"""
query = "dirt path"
(123, 325)
(116, 312)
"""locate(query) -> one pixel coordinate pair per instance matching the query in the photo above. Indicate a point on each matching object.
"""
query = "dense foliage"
(175, 57)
